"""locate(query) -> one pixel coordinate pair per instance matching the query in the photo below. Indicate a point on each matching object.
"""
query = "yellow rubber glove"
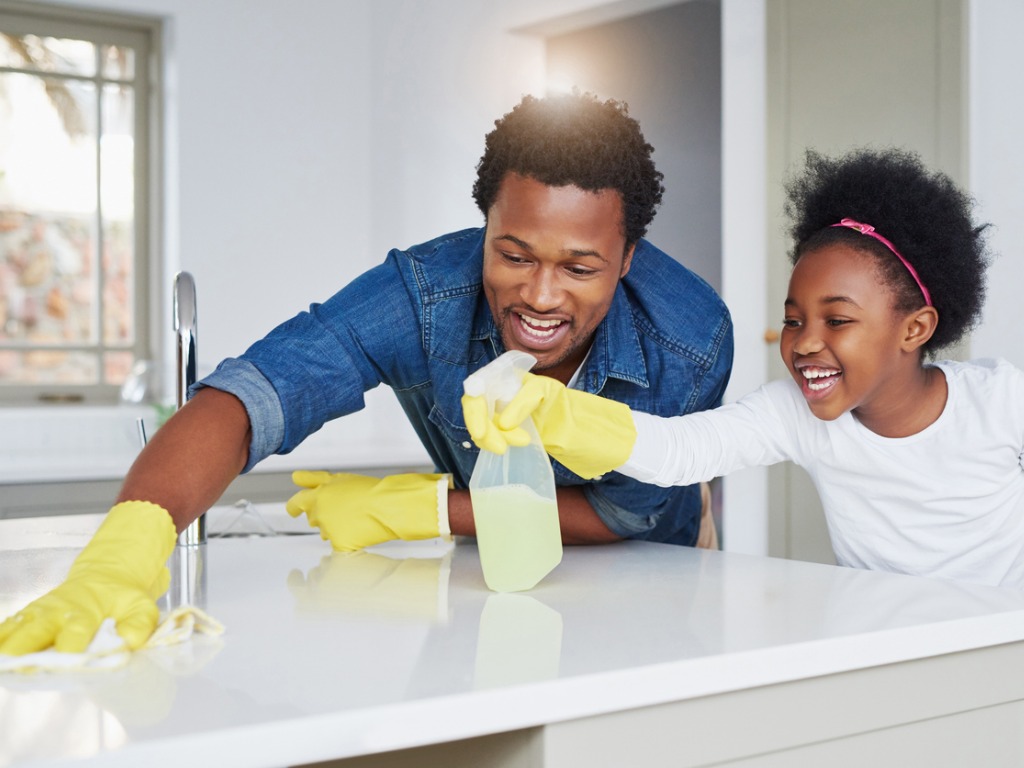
(588, 434)
(355, 511)
(120, 574)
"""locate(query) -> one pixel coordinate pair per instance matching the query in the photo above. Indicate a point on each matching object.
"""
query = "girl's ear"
(919, 327)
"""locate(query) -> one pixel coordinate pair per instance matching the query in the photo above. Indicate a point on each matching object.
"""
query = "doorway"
(840, 76)
(666, 65)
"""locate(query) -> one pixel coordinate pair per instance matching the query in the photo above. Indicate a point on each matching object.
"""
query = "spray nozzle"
(500, 379)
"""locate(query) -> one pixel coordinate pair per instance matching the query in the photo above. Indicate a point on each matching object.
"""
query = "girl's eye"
(790, 322)
(835, 322)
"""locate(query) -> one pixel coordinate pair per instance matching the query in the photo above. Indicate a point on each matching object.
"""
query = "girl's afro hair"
(922, 213)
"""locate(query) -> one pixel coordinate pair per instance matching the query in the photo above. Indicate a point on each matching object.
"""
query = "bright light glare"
(559, 83)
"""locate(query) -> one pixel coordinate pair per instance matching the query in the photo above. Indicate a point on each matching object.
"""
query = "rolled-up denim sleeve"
(317, 365)
(243, 380)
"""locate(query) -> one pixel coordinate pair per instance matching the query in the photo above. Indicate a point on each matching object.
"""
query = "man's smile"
(541, 329)
(536, 334)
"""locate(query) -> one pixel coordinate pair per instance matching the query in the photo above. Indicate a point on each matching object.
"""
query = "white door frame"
(744, 250)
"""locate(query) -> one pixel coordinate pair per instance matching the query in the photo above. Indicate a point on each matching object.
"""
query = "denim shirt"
(420, 323)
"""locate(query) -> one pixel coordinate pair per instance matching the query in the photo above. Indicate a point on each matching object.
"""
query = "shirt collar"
(616, 350)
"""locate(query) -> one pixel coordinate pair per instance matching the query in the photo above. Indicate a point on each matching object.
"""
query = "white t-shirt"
(947, 502)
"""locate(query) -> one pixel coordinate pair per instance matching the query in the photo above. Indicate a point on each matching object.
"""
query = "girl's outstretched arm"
(592, 435)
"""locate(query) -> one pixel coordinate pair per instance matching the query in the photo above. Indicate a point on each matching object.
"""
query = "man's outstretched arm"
(192, 458)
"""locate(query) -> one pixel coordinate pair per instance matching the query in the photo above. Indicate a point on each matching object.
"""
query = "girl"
(919, 465)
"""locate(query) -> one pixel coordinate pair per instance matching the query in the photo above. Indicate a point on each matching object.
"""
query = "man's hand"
(355, 511)
(588, 434)
(119, 575)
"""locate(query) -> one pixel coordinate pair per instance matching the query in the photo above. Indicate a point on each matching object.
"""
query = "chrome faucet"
(185, 375)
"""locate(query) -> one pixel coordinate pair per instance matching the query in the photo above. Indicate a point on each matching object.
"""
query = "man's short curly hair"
(574, 139)
(924, 214)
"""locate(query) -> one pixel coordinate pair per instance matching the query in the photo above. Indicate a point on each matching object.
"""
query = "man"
(567, 187)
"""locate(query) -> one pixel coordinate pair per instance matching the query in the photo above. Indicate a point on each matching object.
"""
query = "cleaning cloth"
(109, 651)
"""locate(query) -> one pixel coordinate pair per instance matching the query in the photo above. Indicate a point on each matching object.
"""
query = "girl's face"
(842, 341)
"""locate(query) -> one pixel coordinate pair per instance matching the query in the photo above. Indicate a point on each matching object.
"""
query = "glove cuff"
(444, 484)
(149, 516)
(591, 460)
(140, 532)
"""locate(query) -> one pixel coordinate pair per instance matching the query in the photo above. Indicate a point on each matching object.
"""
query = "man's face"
(553, 257)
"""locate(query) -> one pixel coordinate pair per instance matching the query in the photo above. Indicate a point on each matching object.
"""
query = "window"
(77, 161)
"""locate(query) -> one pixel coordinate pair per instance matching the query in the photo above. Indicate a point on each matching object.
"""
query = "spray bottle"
(514, 502)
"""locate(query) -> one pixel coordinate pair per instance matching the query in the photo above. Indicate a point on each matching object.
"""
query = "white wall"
(996, 124)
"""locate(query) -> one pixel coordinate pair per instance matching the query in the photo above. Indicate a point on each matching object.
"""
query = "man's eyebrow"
(574, 252)
(521, 243)
(581, 252)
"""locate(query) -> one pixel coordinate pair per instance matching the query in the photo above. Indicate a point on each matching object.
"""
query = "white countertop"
(329, 656)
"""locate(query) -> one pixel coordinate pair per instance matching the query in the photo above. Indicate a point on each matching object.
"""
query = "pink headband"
(867, 229)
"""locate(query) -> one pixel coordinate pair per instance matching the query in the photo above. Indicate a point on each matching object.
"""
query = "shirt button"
(466, 444)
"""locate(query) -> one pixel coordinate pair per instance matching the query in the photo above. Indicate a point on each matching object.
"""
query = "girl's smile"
(818, 382)
(849, 350)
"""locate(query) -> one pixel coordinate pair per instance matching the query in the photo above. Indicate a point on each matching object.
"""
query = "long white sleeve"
(946, 502)
(682, 450)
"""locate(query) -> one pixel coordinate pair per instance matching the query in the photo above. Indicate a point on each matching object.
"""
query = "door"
(844, 75)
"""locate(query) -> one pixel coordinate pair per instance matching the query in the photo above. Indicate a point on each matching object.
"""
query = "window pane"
(47, 144)
(48, 54)
(48, 229)
(47, 292)
(48, 367)
(118, 62)
(118, 294)
(117, 189)
(117, 366)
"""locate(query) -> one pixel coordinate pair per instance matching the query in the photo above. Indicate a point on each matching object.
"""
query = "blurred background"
(276, 150)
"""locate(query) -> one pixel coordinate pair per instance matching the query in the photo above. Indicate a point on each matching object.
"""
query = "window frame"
(144, 35)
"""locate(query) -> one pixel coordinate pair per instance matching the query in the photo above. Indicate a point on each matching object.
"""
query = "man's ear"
(919, 326)
(627, 260)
